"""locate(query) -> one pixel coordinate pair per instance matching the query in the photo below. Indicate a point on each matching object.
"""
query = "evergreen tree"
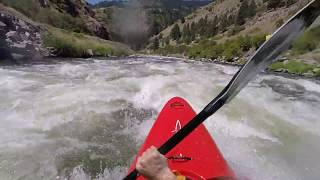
(193, 28)
(252, 9)
(223, 23)
(290, 2)
(272, 4)
(175, 32)
(167, 40)
(214, 26)
(155, 44)
(202, 26)
(182, 20)
(186, 34)
(243, 12)
(155, 28)
(211, 29)
(160, 36)
(231, 20)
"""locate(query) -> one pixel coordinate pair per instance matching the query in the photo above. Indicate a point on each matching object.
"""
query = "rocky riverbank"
(26, 39)
(20, 40)
(284, 66)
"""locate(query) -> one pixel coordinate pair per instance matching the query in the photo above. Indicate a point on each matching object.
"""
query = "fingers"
(150, 154)
(151, 163)
(139, 166)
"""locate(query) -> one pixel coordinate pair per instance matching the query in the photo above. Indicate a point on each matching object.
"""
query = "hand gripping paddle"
(269, 51)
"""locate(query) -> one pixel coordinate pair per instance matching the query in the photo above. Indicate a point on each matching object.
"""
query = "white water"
(86, 119)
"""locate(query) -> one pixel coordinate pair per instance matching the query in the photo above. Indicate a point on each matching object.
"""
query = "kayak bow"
(197, 156)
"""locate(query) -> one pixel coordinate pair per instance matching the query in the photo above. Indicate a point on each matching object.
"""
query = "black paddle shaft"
(270, 50)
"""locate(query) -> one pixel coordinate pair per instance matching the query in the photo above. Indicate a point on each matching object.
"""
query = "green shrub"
(70, 44)
(27, 7)
(258, 40)
(60, 20)
(48, 16)
(209, 48)
(279, 22)
(309, 41)
(245, 43)
(295, 67)
(235, 30)
(231, 50)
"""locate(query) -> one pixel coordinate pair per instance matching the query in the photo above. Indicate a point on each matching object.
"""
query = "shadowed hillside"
(135, 21)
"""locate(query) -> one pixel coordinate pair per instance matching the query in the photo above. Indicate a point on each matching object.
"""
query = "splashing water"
(86, 119)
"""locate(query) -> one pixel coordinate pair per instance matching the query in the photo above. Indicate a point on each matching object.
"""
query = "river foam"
(85, 119)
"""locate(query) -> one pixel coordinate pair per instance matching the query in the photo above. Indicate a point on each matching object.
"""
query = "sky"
(94, 1)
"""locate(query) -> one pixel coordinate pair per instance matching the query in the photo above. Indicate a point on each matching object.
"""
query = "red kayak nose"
(197, 156)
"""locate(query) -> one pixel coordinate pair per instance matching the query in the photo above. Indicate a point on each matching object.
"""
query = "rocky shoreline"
(25, 40)
(240, 62)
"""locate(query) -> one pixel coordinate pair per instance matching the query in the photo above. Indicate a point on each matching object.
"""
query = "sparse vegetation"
(48, 15)
(210, 49)
(272, 4)
(247, 10)
(230, 36)
(71, 44)
(296, 67)
(309, 41)
(175, 33)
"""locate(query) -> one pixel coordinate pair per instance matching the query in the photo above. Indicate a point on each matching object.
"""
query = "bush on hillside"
(231, 48)
(175, 33)
(27, 7)
(60, 20)
(210, 49)
(309, 41)
(48, 16)
(70, 44)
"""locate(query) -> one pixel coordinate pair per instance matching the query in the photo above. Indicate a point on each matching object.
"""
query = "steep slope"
(28, 34)
(225, 16)
(135, 21)
(74, 15)
(229, 31)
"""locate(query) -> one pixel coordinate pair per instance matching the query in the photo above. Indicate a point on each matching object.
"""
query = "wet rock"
(2, 24)
(308, 74)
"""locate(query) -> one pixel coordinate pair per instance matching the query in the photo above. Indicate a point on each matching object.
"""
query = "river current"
(85, 119)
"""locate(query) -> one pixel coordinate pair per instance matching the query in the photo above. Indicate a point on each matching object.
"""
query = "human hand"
(153, 166)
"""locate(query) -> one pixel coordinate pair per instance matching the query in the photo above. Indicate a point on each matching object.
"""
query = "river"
(85, 119)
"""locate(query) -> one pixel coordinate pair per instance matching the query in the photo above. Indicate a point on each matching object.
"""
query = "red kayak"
(197, 157)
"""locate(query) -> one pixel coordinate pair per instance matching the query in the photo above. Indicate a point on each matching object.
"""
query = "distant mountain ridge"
(155, 15)
(167, 3)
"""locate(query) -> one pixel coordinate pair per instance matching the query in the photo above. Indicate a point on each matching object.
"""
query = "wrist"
(165, 174)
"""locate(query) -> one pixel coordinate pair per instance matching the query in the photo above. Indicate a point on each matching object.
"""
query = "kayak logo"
(178, 127)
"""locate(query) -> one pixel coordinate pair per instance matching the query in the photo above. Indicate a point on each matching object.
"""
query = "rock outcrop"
(79, 8)
(19, 40)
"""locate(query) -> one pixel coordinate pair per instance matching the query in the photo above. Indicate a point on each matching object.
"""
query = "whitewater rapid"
(85, 119)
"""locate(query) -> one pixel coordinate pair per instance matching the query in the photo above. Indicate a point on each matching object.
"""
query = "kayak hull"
(197, 156)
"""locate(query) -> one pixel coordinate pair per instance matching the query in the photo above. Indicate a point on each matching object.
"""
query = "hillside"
(32, 29)
(229, 31)
(135, 21)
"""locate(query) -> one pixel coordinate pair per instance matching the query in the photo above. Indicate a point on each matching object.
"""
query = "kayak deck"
(197, 156)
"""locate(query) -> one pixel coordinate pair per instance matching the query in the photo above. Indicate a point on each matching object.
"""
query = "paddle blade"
(271, 49)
